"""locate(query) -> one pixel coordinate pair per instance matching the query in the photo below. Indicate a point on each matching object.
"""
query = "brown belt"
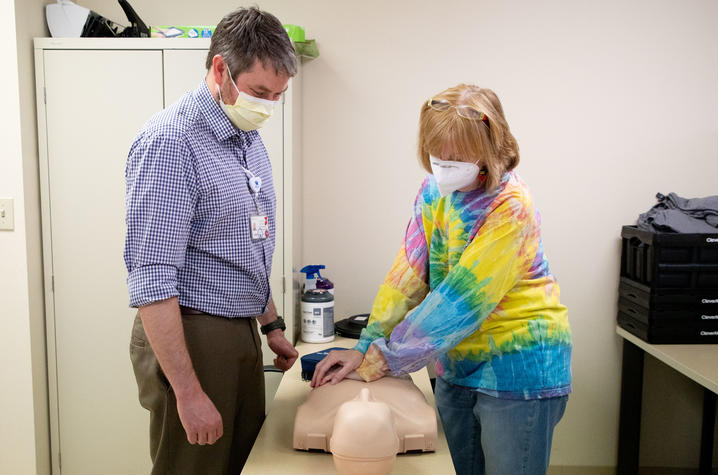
(191, 311)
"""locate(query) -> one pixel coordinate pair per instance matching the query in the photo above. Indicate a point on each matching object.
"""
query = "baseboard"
(586, 470)
(580, 470)
(671, 471)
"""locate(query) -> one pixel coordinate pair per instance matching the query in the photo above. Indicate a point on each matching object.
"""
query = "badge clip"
(255, 183)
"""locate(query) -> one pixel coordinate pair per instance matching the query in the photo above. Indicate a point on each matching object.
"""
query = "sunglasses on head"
(465, 111)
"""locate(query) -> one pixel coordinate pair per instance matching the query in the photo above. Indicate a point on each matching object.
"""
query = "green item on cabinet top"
(307, 49)
(182, 31)
(295, 32)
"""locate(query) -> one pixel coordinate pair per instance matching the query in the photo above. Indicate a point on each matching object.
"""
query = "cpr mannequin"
(365, 425)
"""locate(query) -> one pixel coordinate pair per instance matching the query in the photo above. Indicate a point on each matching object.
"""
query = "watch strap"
(276, 324)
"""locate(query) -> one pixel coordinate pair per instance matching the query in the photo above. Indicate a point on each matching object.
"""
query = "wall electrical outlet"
(7, 218)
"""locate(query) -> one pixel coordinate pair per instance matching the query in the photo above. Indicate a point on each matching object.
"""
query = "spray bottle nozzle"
(311, 270)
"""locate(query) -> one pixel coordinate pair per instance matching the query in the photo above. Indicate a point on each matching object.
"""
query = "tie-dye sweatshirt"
(471, 288)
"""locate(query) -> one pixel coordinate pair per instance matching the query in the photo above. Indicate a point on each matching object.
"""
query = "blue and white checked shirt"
(188, 205)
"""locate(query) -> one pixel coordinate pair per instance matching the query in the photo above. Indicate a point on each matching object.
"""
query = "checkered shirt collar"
(218, 121)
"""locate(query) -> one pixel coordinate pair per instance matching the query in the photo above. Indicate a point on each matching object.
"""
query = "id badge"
(259, 227)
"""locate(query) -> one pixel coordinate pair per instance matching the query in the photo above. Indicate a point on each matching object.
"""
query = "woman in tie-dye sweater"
(471, 290)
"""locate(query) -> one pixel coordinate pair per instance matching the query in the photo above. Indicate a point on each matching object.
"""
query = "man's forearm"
(278, 343)
(163, 325)
(270, 315)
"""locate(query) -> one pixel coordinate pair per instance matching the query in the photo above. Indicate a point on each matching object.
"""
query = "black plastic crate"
(669, 260)
(673, 334)
(703, 319)
(668, 299)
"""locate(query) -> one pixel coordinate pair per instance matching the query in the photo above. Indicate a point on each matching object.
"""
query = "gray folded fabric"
(701, 208)
(673, 213)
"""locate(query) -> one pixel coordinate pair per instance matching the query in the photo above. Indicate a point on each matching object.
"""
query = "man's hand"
(200, 418)
(286, 354)
(336, 366)
(162, 322)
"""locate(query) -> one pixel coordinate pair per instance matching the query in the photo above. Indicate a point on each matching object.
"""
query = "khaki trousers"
(227, 357)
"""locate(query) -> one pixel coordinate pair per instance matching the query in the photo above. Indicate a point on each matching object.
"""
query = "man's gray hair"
(248, 34)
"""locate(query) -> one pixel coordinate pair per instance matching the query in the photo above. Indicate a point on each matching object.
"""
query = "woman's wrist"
(374, 365)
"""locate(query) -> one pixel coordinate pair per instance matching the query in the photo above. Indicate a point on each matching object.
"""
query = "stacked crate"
(668, 292)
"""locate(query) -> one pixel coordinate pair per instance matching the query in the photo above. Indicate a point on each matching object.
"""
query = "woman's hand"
(336, 366)
(374, 365)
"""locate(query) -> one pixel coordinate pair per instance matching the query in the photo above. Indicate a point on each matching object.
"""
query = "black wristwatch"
(278, 323)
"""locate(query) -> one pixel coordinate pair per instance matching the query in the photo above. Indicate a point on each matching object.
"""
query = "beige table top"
(698, 362)
(273, 452)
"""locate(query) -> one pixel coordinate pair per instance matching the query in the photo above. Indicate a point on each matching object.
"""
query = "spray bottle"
(314, 280)
(317, 306)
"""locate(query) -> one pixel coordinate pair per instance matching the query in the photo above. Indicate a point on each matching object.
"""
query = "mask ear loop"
(229, 73)
(219, 92)
(482, 170)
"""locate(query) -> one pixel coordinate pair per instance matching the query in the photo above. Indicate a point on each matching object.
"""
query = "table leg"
(629, 426)
(709, 418)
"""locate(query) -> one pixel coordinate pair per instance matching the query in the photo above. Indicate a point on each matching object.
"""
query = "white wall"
(17, 431)
(30, 23)
(610, 101)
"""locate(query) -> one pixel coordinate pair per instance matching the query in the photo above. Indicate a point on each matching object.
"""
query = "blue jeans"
(492, 436)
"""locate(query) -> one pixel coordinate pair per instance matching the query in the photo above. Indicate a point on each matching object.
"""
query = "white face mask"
(453, 175)
(248, 112)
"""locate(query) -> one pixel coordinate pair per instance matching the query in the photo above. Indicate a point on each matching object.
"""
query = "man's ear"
(218, 68)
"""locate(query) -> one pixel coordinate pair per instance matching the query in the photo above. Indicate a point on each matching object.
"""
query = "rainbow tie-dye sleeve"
(501, 252)
(405, 285)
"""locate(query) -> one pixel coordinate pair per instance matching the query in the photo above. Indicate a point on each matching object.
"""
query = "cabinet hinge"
(44, 95)
(52, 283)
(284, 285)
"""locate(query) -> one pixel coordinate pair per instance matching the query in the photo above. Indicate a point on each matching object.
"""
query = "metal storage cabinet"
(93, 95)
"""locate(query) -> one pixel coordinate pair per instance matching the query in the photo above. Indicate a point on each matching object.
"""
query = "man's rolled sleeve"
(160, 201)
(149, 284)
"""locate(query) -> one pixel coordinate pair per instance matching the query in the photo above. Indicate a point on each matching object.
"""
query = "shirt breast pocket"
(225, 203)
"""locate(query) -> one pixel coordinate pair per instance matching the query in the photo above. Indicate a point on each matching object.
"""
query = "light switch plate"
(7, 218)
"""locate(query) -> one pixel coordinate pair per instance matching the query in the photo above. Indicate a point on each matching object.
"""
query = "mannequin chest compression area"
(388, 405)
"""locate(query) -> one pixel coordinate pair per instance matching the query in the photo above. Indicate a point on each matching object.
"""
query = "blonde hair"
(489, 140)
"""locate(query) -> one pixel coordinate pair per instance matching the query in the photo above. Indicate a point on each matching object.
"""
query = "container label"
(709, 317)
(715, 333)
(709, 301)
(711, 239)
(328, 321)
(317, 322)
(312, 323)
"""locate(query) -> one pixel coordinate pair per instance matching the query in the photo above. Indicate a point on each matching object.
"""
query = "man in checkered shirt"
(200, 236)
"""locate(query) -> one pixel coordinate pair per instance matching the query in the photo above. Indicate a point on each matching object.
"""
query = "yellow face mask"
(248, 112)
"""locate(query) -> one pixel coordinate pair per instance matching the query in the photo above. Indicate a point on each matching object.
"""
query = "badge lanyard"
(258, 223)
